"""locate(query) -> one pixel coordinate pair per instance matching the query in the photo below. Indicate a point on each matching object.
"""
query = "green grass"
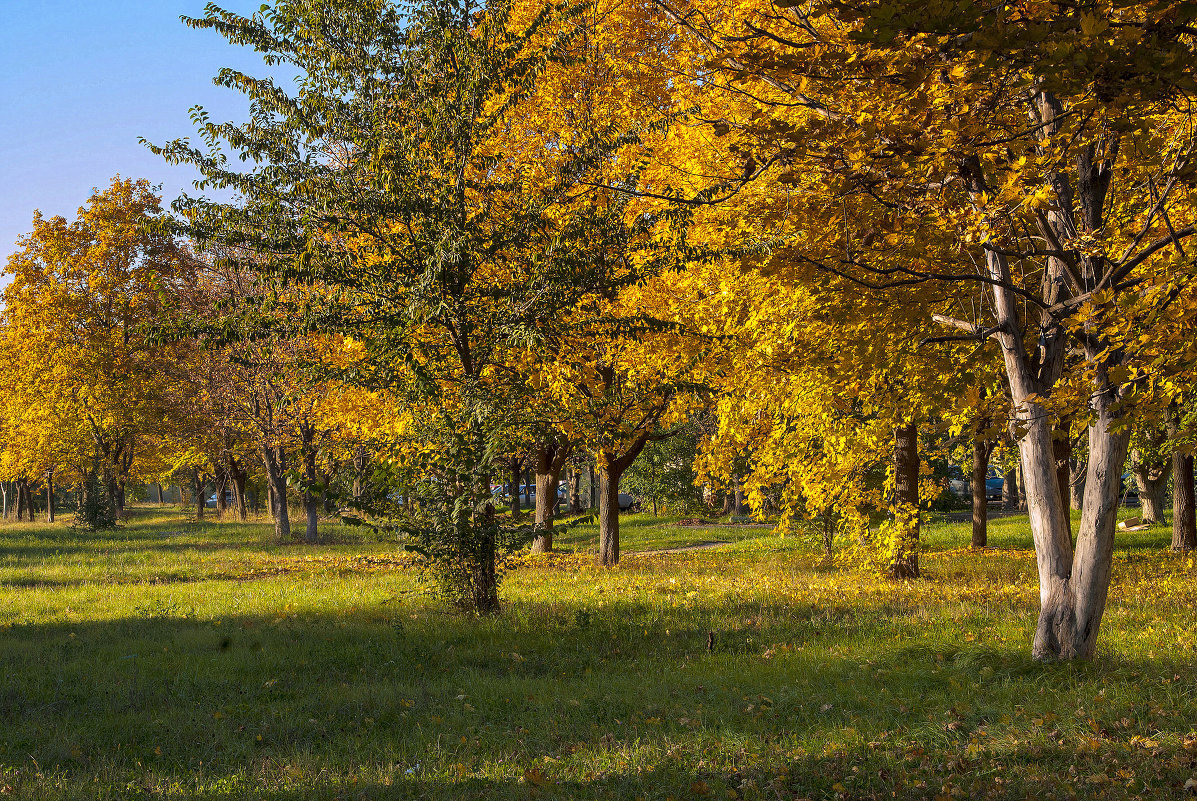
(176, 660)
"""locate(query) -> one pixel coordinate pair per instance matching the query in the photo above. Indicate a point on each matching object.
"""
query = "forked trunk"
(981, 452)
(550, 461)
(905, 560)
(1073, 589)
(275, 462)
(237, 479)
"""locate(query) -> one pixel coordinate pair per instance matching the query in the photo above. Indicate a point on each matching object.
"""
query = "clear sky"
(81, 80)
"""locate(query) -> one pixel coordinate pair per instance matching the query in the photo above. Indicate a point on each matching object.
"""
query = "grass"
(178, 660)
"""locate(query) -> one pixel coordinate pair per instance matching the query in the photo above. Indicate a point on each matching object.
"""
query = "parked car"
(229, 499)
(958, 484)
(993, 488)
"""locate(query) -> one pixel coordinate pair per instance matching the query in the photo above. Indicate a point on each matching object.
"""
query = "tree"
(87, 391)
(386, 188)
(1066, 184)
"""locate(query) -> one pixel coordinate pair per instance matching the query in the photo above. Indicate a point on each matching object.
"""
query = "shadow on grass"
(552, 700)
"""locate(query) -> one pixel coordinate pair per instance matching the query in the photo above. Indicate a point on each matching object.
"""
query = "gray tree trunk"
(1010, 491)
(1152, 480)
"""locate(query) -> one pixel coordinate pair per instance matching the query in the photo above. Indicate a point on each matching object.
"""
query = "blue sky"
(81, 81)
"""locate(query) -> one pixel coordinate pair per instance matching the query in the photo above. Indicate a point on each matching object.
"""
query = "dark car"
(993, 488)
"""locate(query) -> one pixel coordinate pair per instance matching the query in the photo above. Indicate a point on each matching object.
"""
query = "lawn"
(172, 659)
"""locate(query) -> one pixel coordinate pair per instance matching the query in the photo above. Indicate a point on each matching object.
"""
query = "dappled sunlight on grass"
(202, 661)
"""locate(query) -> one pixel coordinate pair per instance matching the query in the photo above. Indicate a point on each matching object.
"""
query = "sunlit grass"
(180, 660)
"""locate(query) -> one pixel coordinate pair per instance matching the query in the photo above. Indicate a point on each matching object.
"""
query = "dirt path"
(699, 547)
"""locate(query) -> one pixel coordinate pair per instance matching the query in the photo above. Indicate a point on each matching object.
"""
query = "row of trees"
(469, 230)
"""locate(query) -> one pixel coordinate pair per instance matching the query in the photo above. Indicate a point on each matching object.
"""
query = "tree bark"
(237, 478)
(1152, 480)
(905, 563)
(360, 463)
(611, 467)
(50, 496)
(550, 460)
(274, 459)
(608, 513)
(981, 452)
(1184, 519)
(592, 488)
(1010, 492)
(23, 499)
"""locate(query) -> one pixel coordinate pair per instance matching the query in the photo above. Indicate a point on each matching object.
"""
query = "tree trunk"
(739, 497)
(1074, 589)
(1010, 492)
(50, 496)
(275, 461)
(360, 463)
(158, 492)
(981, 451)
(485, 584)
(592, 488)
(1152, 481)
(611, 467)
(237, 477)
(550, 460)
(905, 563)
(516, 510)
(1184, 521)
(608, 512)
(22, 498)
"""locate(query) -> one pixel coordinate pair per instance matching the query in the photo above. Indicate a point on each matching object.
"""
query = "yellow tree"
(1050, 146)
(85, 389)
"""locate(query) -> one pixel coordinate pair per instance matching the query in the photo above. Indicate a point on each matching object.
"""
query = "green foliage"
(96, 511)
(663, 474)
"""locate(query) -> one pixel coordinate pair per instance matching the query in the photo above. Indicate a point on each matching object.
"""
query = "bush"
(96, 511)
